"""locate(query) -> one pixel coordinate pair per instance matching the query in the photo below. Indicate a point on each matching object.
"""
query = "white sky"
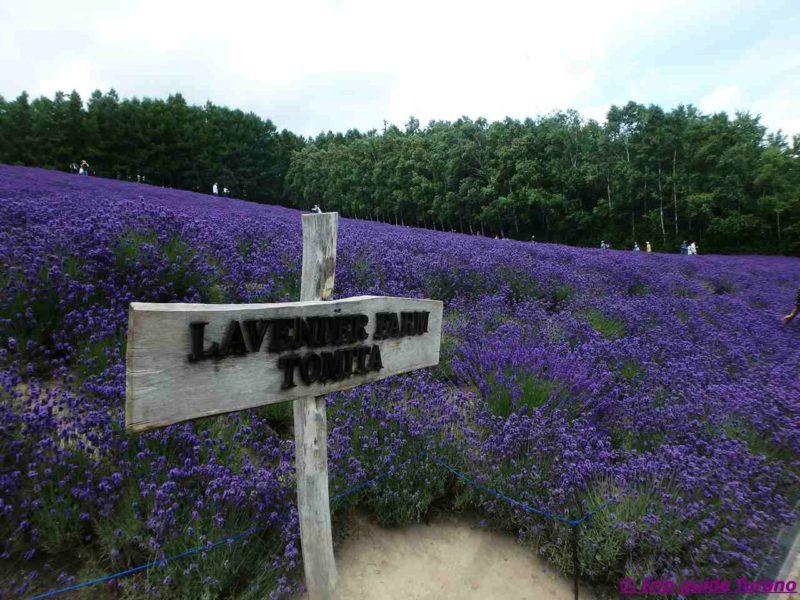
(317, 65)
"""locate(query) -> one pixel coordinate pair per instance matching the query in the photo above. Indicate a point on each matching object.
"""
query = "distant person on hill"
(533, 238)
(73, 168)
(316, 209)
(84, 170)
(648, 246)
(636, 246)
(215, 189)
(788, 318)
(602, 244)
(692, 249)
(226, 192)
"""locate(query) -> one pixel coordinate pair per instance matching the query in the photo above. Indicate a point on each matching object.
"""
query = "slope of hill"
(662, 386)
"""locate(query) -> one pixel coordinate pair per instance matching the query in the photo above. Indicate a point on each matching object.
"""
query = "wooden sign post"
(187, 361)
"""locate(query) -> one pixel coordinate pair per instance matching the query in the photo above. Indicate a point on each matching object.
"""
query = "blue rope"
(227, 540)
(357, 487)
(589, 515)
(523, 505)
(363, 484)
(335, 497)
(160, 562)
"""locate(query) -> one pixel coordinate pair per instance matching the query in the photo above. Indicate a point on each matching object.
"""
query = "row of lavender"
(570, 378)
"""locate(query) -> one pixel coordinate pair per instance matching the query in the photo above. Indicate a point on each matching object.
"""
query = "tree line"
(163, 142)
(643, 174)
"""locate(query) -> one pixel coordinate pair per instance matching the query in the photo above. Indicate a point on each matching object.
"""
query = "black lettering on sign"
(328, 331)
(346, 330)
(310, 368)
(423, 316)
(337, 326)
(312, 332)
(374, 363)
(407, 323)
(197, 331)
(233, 342)
(361, 327)
(394, 325)
(381, 326)
(303, 332)
(388, 325)
(347, 353)
(279, 338)
(288, 363)
(332, 366)
(360, 354)
(296, 334)
(256, 329)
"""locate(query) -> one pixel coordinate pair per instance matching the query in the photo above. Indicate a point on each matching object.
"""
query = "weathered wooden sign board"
(186, 361)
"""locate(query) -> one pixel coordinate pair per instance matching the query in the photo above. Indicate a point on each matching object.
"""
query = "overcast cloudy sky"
(313, 66)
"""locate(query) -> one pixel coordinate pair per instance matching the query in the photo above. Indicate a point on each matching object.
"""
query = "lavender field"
(659, 390)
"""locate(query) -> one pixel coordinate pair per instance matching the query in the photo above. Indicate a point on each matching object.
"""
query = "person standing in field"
(692, 249)
(636, 246)
(215, 189)
(685, 247)
(788, 318)
(648, 247)
(84, 170)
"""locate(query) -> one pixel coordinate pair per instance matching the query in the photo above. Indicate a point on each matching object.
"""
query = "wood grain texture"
(163, 387)
(313, 501)
(319, 256)
(311, 425)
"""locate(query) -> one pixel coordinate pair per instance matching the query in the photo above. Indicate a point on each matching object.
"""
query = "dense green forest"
(168, 142)
(643, 174)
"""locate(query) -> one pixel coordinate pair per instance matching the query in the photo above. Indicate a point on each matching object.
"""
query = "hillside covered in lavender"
(659, 390)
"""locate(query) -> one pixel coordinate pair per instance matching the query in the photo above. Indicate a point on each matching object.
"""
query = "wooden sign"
(186, 361)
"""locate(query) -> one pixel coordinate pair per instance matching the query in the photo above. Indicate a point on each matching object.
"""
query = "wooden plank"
(313, 502)
(319, 256)
(310, 422)
(164, 387)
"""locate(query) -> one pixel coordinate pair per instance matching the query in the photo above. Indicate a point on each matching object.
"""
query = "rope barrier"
(343, 494)
(523, 505)
(161, 562)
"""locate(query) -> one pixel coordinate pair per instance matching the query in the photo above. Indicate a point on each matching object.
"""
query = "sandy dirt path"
(449, 559)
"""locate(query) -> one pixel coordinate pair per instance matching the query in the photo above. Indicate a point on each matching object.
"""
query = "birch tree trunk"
(675, 190)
